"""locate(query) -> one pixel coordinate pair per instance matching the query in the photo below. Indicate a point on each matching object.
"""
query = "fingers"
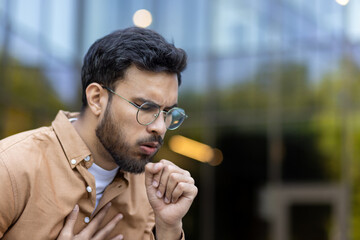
(165, 177)
(177, 184)
(152, 170)
(93, 227)
(184, 190)
(108, 228)
(68, 229)
(95, 223)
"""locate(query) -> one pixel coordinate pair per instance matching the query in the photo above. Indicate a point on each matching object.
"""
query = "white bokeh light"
(342, 2)
(142, 18)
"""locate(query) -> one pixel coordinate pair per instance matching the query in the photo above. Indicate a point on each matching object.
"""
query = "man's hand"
(92, 231)
(171, 191)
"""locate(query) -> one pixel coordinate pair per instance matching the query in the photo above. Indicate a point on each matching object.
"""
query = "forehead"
(161, 87)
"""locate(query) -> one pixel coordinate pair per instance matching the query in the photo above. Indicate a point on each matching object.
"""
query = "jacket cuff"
(153, 235)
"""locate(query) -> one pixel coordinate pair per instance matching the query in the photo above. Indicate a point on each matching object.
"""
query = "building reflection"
(272, 84)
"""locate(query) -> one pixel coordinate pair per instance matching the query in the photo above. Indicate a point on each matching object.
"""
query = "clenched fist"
(171, 191)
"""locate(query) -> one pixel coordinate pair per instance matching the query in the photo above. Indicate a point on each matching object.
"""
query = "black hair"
(109, 57)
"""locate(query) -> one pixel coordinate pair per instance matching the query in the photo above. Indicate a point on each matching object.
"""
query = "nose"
(159, 125)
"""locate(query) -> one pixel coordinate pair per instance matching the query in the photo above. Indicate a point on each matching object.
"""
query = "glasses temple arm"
(112, 91)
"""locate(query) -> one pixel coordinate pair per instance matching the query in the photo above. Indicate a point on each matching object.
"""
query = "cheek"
(124, 118)
(130, 129)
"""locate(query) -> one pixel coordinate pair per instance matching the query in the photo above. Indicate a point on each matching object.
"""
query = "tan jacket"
(43, 174)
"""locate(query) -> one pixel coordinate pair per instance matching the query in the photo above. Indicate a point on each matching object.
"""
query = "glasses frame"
(156, 116)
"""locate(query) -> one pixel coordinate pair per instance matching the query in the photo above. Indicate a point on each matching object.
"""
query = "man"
(89, 175)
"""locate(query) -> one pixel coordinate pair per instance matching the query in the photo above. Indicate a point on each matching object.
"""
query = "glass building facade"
(273, 84)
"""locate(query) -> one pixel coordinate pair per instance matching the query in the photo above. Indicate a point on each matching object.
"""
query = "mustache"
(153, 138)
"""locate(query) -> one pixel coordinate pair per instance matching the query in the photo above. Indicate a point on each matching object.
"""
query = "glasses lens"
(174, 118)
(147, 113)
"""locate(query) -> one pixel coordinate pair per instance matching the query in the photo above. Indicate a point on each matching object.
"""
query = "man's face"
(130, 144)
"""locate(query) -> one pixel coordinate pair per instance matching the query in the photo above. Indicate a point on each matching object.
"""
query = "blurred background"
(272, 90)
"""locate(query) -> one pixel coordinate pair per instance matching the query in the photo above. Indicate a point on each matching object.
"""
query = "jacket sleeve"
(148, 234)
(152, 236)
(7, 198)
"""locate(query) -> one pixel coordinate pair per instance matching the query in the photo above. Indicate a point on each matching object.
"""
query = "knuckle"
(164, 161)
(170, 168)
(148, 166)
(173, 177)
(191, 180)
(181, 185)
(166, 168)
(196, 190)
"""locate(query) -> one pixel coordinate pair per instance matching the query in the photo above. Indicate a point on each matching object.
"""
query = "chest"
(52, 194)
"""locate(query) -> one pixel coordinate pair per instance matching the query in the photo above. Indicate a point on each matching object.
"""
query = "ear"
(97, 98)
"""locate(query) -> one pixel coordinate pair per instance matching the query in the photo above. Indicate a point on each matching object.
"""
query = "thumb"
(152, 171)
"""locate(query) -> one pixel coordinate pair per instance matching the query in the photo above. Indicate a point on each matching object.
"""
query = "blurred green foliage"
(26, 99)
(338, 125)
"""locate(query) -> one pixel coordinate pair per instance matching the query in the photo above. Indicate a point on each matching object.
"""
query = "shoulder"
(26, 137)
(21, 150)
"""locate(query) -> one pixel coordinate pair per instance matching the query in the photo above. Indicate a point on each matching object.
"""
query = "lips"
(149, 148)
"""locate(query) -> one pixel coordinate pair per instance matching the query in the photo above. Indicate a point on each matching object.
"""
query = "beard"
(113, 138)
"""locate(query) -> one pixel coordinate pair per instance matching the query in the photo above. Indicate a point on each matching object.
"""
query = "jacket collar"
(74, 147)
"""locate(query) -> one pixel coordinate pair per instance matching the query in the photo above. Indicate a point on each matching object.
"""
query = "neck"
(86, 126)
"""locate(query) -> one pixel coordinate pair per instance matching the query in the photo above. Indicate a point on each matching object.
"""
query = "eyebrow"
(143, 100)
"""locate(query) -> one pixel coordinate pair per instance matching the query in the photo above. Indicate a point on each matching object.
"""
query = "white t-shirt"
(102, 179)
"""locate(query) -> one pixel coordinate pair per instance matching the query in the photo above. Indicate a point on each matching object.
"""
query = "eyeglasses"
(148, 112)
